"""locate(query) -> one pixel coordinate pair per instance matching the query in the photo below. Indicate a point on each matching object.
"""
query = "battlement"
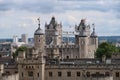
(99, 78)
(62, 46)
(29, 61)
(83, 66)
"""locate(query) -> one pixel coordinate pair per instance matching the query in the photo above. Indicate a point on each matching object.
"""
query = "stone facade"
(1, 69)
(53, 32)
(85, 45)
(53, 60)
(10, 77)
(5, 49)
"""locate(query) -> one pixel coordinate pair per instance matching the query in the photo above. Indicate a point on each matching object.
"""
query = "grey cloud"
(6, 5)
(57, 6)
(116, 10)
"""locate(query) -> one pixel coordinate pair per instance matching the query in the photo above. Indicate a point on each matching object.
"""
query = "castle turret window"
(47, 27)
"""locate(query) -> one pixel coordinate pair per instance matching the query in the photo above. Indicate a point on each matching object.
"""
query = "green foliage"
(118, 49)
(22, 48)
(106, 49)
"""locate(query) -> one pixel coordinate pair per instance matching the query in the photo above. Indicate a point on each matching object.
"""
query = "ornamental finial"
(38, 22)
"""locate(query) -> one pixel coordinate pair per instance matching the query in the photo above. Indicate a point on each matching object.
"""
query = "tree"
(106, 49)
(21, 48)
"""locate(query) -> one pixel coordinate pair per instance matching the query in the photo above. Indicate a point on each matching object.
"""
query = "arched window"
(30, 73)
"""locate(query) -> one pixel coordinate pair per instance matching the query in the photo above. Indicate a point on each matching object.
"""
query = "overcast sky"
(20, 16)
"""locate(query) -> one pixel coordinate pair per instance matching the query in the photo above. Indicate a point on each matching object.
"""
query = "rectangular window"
(38, 74)
(67, 57)
(22, 66)
(68, 74)
(88, 74)
(107, 74)
(59, 74)
(97, 74)
(16, 71)
(50, 74)
(78, 74)
(117, 74)
(7, 72)
(30, 73)
(22, 74)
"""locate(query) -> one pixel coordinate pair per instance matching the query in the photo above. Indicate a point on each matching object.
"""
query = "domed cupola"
(39, 37)
(39, 31)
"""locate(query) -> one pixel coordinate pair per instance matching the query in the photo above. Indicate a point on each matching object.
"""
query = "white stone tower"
(83, 38)
(94, 38)
(31, 64)
(53, 32)
(39, 38)
(39, 43)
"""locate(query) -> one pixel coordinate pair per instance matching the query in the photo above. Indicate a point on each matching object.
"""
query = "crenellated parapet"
(83, 66)
(29, 61)
(61, 46)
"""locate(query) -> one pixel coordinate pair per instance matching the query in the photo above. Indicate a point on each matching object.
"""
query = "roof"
(39, 31)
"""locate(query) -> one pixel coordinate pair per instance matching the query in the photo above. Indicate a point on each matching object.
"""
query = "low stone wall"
(100, 78)
(10, 77)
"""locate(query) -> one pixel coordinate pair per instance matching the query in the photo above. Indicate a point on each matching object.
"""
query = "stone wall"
(10, 77)
(82, 72)
(100, 78)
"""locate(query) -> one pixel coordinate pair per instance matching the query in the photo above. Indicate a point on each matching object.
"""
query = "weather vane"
(93, 26)
(38, 21)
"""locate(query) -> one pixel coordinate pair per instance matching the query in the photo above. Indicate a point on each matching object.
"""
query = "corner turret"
(39, 38)
(87, 42)
(93, 34)
(83, 29)
(53, 32)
